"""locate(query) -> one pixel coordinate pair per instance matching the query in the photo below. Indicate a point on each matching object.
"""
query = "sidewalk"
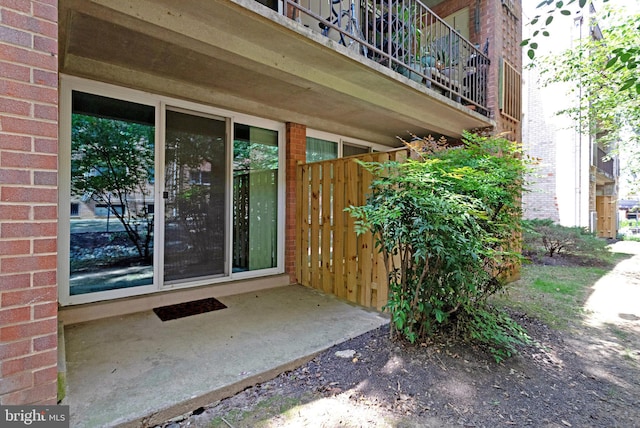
(138, 371)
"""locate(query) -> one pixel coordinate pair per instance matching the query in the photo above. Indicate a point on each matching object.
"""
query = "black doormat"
(181, 310)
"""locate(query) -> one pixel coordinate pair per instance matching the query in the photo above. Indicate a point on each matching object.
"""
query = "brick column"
(28, 201)
(296, 152)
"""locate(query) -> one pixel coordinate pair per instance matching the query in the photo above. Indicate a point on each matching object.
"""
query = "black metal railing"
(406, 36)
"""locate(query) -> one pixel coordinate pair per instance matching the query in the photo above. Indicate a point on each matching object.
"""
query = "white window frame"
(161, 103)
(341, 140)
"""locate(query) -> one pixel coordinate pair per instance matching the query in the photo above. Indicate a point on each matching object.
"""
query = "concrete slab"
(136, 370)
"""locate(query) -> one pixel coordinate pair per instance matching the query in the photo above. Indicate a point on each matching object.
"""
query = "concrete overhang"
(242, 56)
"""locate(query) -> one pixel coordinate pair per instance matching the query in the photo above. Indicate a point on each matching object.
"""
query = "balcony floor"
(136, 370)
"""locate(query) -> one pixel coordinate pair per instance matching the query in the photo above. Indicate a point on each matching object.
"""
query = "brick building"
(211, 93)
(575, 182)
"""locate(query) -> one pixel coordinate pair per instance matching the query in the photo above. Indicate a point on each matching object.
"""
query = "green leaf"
(545, 33)
(534, 45)
(565, 12)
(611, 62)
(559, 4)
(531, 53)
(549, 20)
(582, 3)
(629, 83)
(525, 42)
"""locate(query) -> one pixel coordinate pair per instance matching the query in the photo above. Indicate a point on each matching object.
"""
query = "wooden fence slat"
(351, 249)
(314, 247)
(326, 215)
(365, 250)
(340, 285)
(303, 228)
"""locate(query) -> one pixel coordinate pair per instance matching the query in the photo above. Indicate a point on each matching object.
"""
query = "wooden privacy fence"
(330, 256)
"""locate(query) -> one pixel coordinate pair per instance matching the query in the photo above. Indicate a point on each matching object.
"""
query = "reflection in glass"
(112, 166)
(195, 177)
(255, 198)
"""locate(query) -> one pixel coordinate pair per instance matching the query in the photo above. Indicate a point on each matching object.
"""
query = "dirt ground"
(586, 376)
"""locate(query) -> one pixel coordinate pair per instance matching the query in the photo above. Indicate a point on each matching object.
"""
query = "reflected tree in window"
(113, 164)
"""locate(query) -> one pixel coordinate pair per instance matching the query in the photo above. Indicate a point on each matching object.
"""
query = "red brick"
(14, 349)
(16, 382)
(26, 91)
(27, 263)
(46, 310)
(14, 176)
(44, 279)
(45, 246)
(28, 296)
(9, 367)
(48, 212)
(29, 23)
(45, 343)
(15, 72)
(18, 5)
(28, 329)
(42, 394)
(17, 107)
(25, 230)
(47, 78)
(15, 315)
(14, 282)
(16, 142)
(14, 248)
(45, 44)
(16, 37)
(44, 376)
(46, 145)
(28, 194)
(48, 12)
(45, 178)
(48, 112)
(14, 212)
(28, 127)
(30, 58)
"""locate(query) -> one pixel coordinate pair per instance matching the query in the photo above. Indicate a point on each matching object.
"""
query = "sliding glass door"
(161, 193)
(195, 177)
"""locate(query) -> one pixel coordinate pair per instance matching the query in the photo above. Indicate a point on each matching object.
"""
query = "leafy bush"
(448, 226)
(546, 237)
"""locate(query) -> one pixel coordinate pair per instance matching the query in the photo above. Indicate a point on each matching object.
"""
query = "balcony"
(405, 36)
(604, 163)
(406, 70)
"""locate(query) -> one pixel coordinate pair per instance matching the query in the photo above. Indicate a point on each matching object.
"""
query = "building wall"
(562, 177)
(501, 27)
(296, 153)
(28, 201)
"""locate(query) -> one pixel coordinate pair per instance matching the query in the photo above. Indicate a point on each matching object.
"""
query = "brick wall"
(539, 142)
(28, 201)
(502, 27)
(296, 152)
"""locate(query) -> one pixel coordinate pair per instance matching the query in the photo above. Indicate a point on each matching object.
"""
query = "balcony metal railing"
(406, 36)
(605, 166)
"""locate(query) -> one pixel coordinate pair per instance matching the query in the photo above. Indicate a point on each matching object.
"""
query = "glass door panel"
(255, 198)
(112, 176)
(195, 194)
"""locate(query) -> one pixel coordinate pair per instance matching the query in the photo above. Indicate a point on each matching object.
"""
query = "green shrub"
(448, 226)
(546, 237)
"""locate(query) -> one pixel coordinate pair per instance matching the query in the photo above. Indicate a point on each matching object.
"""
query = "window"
(352, 150)
(319, 149)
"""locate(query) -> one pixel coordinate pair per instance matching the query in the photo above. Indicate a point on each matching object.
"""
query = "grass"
(258, 415)
(553, 294)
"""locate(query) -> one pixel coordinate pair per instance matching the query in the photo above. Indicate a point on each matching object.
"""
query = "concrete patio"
(136, 370)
